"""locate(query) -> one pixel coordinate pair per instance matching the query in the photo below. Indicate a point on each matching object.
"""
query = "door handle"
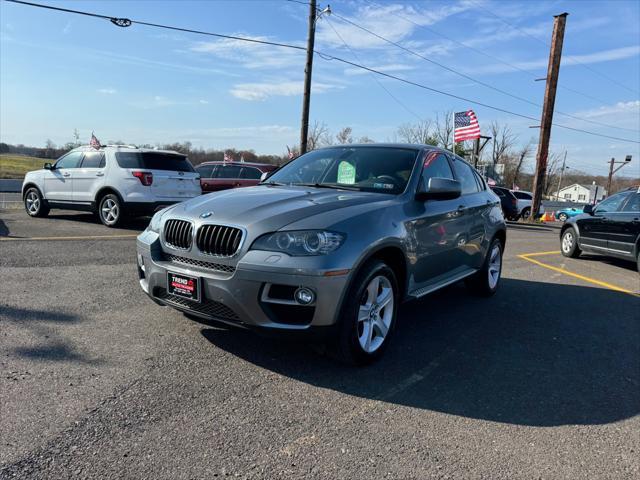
(99, 174)
(66, 174)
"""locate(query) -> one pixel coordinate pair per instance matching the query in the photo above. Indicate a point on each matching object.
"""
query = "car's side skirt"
(421, 292)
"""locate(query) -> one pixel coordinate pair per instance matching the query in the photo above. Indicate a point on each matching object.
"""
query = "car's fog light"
(141, 262)
(304, 296)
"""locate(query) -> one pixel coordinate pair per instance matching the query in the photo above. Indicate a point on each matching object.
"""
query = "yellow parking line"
(600, 283)
(86, 237)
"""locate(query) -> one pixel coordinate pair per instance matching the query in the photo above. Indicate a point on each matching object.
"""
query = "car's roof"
(133, 148)
(235, 162)
(413, 146)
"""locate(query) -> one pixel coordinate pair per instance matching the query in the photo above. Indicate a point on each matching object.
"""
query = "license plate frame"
(184, 286)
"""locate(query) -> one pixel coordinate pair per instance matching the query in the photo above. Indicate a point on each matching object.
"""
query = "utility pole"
(564, 160)
(306, 97)
(547, 110)
(627, 159)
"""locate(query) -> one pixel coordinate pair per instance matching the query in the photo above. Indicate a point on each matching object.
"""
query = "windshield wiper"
(327, 185)
(273, 184)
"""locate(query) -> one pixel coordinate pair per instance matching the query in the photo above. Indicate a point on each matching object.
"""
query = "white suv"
(112, 181)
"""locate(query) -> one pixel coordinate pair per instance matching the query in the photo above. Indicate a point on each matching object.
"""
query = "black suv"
(508, 201)
(610, 228)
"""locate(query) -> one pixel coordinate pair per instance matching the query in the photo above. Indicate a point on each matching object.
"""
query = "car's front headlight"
(300, 242)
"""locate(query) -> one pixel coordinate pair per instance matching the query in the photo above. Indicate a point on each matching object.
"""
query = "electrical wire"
(468, 77)
(373, 75)
(326, 57)
(571, 59)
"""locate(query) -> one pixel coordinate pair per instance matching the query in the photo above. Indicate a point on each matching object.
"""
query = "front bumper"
(247, 292)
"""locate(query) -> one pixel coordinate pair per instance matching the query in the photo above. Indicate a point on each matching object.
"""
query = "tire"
(638, 262)
(525, 213)
(361, 337)
(34, 204)
(563, 217)
(569, 243)
(486, 281)
(110, 210)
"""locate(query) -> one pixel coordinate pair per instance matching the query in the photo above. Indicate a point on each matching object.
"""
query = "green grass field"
(15, 166)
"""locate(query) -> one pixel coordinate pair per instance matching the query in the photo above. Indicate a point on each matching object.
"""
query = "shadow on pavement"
(536, 354)
(137, 223)
(616, 262)
(4, 230)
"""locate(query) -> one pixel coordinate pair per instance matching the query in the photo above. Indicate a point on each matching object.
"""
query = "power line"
(468, 77)
(569, 58)
(373, 75)
(482, 52)
(326, 57)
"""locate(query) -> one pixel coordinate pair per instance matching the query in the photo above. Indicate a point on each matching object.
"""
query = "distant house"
(582, 193)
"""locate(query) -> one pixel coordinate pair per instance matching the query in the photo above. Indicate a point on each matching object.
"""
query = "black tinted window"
(228, 171)
(465, 177)
(205, 171)
(522, 195)
(70, 160)
(93, 160)
(498, 192)
(154, 161)
(633, 204)
(612, 203)
(250, 173)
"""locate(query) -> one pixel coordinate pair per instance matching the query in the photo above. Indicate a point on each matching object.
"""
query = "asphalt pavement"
(540, 381)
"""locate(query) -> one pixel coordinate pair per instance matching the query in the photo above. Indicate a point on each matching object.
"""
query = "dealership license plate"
(183, 286)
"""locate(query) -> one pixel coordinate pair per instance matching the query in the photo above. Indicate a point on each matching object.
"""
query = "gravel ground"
(542, 380)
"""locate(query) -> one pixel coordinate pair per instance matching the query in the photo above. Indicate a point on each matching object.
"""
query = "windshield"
(154, 161)
(385, 170)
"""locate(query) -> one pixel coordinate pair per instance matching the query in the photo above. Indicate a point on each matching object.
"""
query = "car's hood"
(271, 207)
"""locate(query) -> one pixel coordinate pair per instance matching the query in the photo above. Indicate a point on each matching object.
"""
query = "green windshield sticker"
(346, 173)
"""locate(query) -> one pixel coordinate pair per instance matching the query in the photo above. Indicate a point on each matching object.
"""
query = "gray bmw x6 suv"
(331, 242)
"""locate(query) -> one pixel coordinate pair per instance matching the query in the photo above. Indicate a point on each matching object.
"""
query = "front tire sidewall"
(348, 346)
(34, 194)
(104, 218)
(479, 282)
(572, 252)
(563, 217)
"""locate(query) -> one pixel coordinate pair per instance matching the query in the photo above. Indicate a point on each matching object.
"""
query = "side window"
(70, 160)
(498, 192)
(480, 180)
(250, 173)
(612, 203)
(435, 165)
(205, 171)
(465, 176)
(228, 171)
(633, 204)
(93, 160)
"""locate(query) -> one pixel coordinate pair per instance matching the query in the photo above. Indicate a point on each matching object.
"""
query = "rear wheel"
(569, 243)
(110, 210)
(34, 203)
(526, 212)
(563, 217)
(368, 317)
(485, 282)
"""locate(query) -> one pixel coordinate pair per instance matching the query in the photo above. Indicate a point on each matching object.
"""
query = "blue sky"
(145, 85)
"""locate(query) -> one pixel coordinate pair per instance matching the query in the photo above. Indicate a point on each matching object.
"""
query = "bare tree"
(318, 136)
(503, 141)
(76, 137)
(344, 136)
(420, 132)
(444, 129)
(521, 157)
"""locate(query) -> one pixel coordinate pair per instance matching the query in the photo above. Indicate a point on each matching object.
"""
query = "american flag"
(94, 142)
(227, 158)
(290, 153)
(466, 126)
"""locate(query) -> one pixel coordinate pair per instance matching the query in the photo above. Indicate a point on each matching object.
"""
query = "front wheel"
(563, 217)
(569, 244)
(485, 281)
(110, 210)
(34, 203)
(368, 317)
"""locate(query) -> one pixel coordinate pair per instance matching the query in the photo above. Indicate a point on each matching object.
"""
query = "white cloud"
(107, 91)
(620, 108)
(567, 60)
(203, 102)
(262, 91)
(388, 21)
(251, 55)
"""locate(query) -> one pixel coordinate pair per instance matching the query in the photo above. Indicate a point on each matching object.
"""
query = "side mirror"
(439, 189)
(588, 209)
(48, 166)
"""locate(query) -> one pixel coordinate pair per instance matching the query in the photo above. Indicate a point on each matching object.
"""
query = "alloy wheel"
(110, 211)
(495, 266)
(375, 313)
(567, 241)
(33, 202)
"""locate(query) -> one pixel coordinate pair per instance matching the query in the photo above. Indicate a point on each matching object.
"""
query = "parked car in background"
(525, 200)
(567, 213)
(114, 181)
(329, 244)
(610, 228)
(215, 176)
(508, 201)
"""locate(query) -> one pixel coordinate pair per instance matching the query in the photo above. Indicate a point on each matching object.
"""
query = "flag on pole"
(227, 158)
(466, 126)
(290, 153)
(94, 142)
(241, 158)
